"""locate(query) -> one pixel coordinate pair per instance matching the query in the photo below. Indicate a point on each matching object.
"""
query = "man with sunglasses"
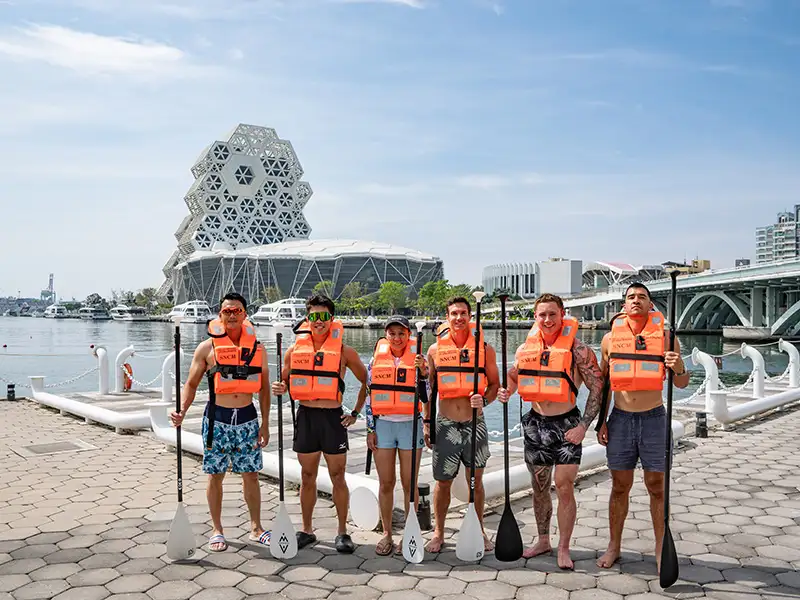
(548, 370)
(314, 367)
(635, 357)
(236, 364)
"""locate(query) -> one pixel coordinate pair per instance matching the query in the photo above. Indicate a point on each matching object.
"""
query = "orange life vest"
(545, 372)
(238, 367)
(455, 367)
(316, 374)
(393, 388)
(636, 362)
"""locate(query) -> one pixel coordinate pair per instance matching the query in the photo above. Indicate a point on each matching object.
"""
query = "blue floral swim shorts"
(235, 441)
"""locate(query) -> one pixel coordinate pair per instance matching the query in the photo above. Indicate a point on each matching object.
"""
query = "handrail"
(759, 370)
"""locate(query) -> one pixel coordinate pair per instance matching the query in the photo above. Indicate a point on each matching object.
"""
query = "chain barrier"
(150, 356)
(136, 381)
(73, 379)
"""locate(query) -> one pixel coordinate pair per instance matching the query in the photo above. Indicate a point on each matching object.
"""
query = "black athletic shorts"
(319, 429)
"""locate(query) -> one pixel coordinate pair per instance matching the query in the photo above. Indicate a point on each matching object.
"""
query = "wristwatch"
(354, 414)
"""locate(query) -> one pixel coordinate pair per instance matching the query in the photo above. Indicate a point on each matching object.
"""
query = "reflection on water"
(59, 349)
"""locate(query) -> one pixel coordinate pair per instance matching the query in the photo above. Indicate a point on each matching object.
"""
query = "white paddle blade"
(181, 542)
(283, 541)
(413, 544)
(469, 545)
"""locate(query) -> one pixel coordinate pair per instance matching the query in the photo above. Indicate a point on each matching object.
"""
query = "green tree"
(348, 301)
(433, 296)
(272, 294)
(324, 287)
(95, 300)
(392, 295)
(462, 289)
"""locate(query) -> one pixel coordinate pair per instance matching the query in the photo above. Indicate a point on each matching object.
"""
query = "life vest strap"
(385, 387)
(543, 373)
(639, 357)
(234, 371)
(448, 369)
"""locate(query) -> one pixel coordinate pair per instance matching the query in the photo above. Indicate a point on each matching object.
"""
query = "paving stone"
(59, 571)
(520, 577)
(22, 566)
(623, 584)
(594, 594)
(406, 595)
(106, 560)
(174, 590)
(261, 567)
(311, 589)
(140, 566)
(219, 594)
(359, 592)
(89, 577)
(94, 592)
(540, 592)
(39, 590)
(302, 573)
(8, 583)
(387, 582)
(265, 585)
(791, 579)
(473, 573)
(127, 584)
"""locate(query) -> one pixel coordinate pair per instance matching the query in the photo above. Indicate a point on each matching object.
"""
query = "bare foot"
(608, 559)
(435, 544)
(542, 546)
(488, 546)
(564, 560)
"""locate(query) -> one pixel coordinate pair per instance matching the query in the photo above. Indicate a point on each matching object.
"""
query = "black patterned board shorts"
(544, 439)
(454, 447)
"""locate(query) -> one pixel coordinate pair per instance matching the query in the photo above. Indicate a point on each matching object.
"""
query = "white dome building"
(246, 231)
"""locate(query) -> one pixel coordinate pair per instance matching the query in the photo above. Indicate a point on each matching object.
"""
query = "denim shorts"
(397, 434)
(634, 436)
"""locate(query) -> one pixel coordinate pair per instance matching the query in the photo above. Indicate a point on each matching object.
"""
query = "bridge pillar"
(772, 306)
(756, 306)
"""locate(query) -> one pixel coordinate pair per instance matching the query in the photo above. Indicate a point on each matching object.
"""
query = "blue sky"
(481, 131)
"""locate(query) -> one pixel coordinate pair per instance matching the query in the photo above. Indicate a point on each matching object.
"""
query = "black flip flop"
(344, 544)
(304, 539)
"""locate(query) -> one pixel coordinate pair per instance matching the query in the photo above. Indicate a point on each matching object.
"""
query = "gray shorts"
(637, 435)
(454, 446)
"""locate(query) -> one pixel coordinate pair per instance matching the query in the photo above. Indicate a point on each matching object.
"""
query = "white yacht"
(55, 311)
(94, 313)
(122, 312)
(194, 311)
(285, 312)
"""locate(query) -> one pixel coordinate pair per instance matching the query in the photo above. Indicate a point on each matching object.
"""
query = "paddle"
(669, 556)
(508, 546)
(180, 543)
(469, 545)
(282, 527)
(413, 548)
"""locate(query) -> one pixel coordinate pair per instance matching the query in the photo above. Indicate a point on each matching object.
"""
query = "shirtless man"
(237, 438)
(454, 414)
(636, 428)
(554, 428)
(314, 367)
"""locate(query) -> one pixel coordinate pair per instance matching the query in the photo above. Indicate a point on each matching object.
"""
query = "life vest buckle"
(319, 359)
(464, 355)
(401, 375)
(641, 344)
(545, 359)
(240, 372)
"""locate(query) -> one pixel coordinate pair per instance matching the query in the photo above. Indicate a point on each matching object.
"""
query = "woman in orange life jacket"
(314, 367)
(238, 364)
(548, 371)
(390, 415)
(635, 358)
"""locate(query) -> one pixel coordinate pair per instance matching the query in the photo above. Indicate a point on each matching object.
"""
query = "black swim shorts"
(319, 430)
(544, 439)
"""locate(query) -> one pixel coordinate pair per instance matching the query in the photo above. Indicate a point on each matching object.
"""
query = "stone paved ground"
(92, 525)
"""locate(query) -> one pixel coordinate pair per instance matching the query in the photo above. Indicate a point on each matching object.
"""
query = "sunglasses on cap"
(319, 316)
(232, 311)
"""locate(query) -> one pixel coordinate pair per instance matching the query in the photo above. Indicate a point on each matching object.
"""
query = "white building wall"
(560, 277)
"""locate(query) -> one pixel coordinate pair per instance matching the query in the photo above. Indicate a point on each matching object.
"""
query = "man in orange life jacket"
(635, 357)
(314, 367)
(238, 364)
(451, 372)
(548, 371)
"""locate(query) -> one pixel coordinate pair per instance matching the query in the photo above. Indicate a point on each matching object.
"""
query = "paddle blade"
(469, 545)
(669, 561)
(508, 543)
(283, 541)
(413, 545)
(181, 543)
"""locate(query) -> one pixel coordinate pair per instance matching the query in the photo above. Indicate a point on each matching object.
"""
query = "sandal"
(262, 539)
(216, 540)
(344, 544)
(304, 539)
(384, 547)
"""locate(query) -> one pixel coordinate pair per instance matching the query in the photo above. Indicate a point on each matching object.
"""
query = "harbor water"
(60, 350)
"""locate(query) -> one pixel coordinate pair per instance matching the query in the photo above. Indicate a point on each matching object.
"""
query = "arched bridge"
(765, 296)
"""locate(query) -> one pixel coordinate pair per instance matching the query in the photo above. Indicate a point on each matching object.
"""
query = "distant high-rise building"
(779, 241)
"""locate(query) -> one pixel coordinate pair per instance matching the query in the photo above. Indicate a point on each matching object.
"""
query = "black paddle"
(669, 556)
(508, 547)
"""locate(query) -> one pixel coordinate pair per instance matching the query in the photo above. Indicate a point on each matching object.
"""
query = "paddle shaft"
(278, 340)
(178, 408)
(414, 431)
(670, 374)
(503, 347)
(475, 410)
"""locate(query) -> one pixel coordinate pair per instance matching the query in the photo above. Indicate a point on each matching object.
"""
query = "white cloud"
(409, 3)
(236, 54)
(90, 53)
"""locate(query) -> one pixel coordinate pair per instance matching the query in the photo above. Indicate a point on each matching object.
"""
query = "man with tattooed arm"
(548, 370)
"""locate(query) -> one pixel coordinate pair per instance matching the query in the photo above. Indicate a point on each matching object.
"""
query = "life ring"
(127, 374)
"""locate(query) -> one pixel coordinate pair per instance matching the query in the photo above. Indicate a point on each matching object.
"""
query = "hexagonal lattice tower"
(247, 192)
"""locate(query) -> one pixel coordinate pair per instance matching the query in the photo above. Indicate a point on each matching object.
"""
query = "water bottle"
(424, 507)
